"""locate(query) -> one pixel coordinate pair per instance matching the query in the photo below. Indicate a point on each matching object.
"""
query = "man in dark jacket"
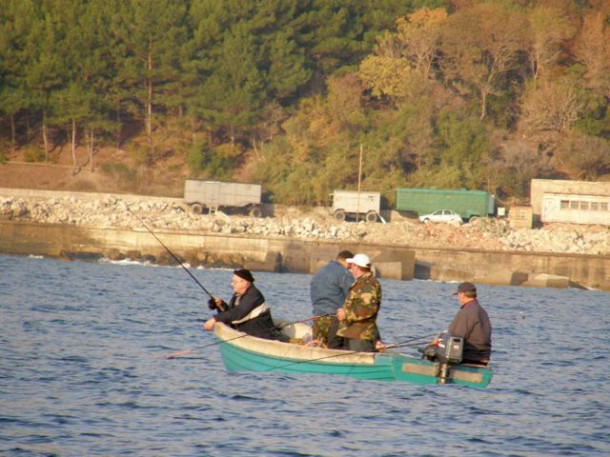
(472, 324)
(246, 311)
(328, 289)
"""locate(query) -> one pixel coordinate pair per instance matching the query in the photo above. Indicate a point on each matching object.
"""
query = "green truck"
(467, 203)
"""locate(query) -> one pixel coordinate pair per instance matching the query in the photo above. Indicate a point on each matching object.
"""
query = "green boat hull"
(241, 352)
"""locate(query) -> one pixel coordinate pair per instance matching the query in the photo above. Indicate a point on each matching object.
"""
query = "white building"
(578, 202)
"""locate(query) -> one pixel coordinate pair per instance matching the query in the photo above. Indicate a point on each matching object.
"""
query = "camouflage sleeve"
(363, 301)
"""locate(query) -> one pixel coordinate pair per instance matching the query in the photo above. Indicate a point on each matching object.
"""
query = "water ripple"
(83, 372)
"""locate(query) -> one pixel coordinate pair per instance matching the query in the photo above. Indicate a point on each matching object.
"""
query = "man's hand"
(216, 303)
(209, 324)
(341, 314)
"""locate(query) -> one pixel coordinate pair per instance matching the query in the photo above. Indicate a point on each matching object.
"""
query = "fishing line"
(171, 253)
(409, 342)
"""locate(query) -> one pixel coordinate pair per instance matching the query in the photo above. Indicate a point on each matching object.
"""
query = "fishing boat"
(242, 352)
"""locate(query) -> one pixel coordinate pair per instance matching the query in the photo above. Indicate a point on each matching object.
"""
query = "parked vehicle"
(467, 203)
(442, 215)
(204, 196)
(355, 204)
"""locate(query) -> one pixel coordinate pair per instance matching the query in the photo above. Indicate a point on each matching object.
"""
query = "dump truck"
(467, 203)
(347, 203)
(210, 196)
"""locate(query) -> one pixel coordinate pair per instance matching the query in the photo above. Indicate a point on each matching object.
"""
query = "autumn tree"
(386, 70)
(587, 157)
(549, 109)
(418, 36)
(480, 45)
(551, 28)
(408, 54)
(592, 49)
(514, 164)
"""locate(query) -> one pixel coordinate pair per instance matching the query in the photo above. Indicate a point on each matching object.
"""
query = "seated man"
(246, 311)
(472, 324)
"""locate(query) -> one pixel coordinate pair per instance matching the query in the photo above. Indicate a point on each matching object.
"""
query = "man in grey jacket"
(472, 324)
(328, 289)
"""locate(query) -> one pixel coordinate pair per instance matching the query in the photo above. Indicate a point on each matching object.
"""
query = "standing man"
(328, 289)
(472, 324)
(358, 315)
(247, 310)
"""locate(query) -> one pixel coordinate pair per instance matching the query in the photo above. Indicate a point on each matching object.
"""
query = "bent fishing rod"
(170, 252)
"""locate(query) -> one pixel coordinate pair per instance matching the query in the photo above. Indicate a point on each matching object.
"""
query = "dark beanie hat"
(244, 274)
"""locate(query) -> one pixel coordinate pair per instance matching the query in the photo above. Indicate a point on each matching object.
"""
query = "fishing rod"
(409, 342)
(298, 362)
(215, 343)
(171, 253)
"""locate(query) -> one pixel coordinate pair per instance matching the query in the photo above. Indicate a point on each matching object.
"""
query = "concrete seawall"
(514, 268)
(260, 253)
(304, 256)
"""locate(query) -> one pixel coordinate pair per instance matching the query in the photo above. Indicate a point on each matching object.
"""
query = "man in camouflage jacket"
(358, 315)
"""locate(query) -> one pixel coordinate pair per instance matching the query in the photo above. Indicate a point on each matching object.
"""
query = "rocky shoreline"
(129, 211)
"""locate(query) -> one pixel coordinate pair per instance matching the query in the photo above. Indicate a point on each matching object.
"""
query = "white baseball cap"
(362, 260)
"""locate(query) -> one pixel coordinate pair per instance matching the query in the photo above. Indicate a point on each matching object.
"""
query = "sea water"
(83, 372)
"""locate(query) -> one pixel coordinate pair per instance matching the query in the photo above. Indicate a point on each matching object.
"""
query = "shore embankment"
(90, 225)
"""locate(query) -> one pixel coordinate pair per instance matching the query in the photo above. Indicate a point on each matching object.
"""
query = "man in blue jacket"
(328, 289)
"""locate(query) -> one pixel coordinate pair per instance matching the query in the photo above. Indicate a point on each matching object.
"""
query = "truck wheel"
(256, 211)
(371, 216)
(339, 215)
(197, 208)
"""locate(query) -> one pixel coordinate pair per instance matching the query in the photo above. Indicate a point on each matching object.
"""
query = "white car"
(442, 215)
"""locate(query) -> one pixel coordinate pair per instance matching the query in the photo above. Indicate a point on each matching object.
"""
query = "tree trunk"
(73, 145)
(149, 113)
(91, 147)
(483, 104)
(118, 123)
(28, 127)
(44, 136)
(149, 100)
(13, 134)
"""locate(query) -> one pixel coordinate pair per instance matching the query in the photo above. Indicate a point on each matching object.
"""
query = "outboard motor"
(448, 352)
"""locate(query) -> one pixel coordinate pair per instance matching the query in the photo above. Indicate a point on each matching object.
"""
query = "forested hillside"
(454, 94)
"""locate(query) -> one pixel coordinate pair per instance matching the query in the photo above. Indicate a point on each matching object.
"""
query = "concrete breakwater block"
(603, 285)
(273, 263)
(387, 263)
(547, 280)
(503, 278)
